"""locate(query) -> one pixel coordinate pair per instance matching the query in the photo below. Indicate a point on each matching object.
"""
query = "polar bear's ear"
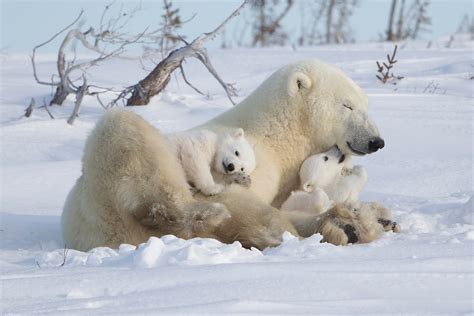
(239, 133)
(297, 83)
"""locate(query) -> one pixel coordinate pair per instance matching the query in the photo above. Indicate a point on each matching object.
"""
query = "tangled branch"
(158, 78)
(107, 41)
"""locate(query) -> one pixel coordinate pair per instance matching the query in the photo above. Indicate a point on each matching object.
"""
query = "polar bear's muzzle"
(376, 144)
(372, 146)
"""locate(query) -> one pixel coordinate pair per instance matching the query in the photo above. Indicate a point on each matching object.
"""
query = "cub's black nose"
(230, 167)
(376, 144)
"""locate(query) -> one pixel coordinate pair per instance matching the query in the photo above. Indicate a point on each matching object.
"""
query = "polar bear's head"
(335, 107)
(234, 153)
(321, 170)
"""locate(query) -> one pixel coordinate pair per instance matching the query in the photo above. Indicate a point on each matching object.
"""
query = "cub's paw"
(214, 189)
(241, 178)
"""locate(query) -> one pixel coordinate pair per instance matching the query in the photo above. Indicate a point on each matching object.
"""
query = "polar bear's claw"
(395, 227)
(389, 225)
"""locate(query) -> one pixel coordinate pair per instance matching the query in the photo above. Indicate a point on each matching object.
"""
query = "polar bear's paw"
(388, 225)
(158, 215)
(206, 216)
(342, 225)
(338, 226)
(381, 214)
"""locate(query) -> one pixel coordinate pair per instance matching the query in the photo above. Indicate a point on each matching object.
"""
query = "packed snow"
(424, 175)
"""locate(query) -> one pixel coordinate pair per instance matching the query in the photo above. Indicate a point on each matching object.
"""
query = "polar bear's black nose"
(376, 144)
(231, 167)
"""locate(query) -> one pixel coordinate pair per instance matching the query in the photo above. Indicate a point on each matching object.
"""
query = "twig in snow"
(30, 108)
(384, 69)
(65, 252)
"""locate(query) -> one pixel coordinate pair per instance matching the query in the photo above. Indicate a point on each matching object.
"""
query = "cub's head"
(319, 171)
(234, 153)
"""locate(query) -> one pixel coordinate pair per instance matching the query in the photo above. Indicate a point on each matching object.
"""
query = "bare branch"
(267, 29)
(45, 43)
(159, 77)
(228, 88)
(100, 101)
(79, 97)
(47, 109)
(213, 34)
(189, 83)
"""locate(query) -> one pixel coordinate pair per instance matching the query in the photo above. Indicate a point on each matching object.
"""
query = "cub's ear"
(308, 187)
(298, 82)
(239, 133)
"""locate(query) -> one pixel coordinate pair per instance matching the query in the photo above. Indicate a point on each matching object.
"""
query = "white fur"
(133, 187)
(341, 182)
(315, 202)
(205, 156)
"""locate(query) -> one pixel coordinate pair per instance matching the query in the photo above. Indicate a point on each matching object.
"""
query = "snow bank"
(156, 252)
(170, 251)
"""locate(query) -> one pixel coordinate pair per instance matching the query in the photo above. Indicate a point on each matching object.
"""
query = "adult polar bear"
(132, 187)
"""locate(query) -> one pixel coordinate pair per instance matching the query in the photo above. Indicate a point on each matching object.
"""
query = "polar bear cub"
(315, 202)
(211, 161)
(333, 173)
(326, 179)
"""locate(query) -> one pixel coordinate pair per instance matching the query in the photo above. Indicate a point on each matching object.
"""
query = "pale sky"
(26, 23)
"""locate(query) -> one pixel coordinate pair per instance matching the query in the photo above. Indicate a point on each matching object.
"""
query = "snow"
(424, 175)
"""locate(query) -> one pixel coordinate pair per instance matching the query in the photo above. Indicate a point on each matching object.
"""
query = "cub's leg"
(198, 172)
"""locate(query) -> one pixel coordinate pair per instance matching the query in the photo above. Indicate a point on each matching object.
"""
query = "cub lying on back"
(326, 179)
(211, 161)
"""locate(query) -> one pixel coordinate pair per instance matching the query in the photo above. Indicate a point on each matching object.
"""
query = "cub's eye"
(326, 158)
(241, 169)
(347, 106)
(237, 153)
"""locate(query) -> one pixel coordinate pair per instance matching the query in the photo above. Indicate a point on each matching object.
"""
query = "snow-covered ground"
(424, 174)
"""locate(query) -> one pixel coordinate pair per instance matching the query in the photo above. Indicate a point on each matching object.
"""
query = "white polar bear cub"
(210, 161)
(315, 202)
(327, 178)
